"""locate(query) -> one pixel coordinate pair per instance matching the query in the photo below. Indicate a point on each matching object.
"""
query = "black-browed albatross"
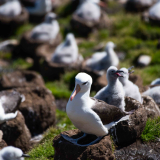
(90, 115)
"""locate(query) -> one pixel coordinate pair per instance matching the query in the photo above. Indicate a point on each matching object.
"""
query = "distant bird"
(40, 8)
(131, 90)
(113, 93)
(153, 93)
(12, 153)
(6, 117)
(103, 60)
(89, 10)
(154, 11)
(90, 115)
(67, 52)
(11, 8)
(48, 30)
(156, 82)
(8, 45)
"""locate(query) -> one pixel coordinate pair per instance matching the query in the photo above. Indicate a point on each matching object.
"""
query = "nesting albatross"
(47, 30)
(67, 52)
(90, 115)
(12, 153)
(11, 8)
(89, 10)
(103, 60)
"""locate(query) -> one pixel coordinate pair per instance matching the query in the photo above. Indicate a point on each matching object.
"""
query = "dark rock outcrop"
(9, 24)
(151, 107)
(16, 133)
(21, 79)
(127, 131)
(2, 142)
(139, 151)
(38, 108)
(68, 151)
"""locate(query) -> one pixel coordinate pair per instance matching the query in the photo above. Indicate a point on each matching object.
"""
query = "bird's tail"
(110, 125)
(10, 116)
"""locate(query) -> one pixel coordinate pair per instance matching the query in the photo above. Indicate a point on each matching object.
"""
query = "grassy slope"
(131, 36)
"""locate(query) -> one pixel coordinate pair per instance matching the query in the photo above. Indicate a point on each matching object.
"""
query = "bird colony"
(85, 112)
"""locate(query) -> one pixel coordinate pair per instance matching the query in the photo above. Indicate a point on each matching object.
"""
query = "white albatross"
(11, 8)
(90, 115)
(103, 60)
(40, 8)
(89, 10)
(131, 90)
(67, 52)
(48, 30)
(6, 117)
(12, 153)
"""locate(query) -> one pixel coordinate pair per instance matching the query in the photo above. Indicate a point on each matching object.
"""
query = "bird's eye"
(84, 83)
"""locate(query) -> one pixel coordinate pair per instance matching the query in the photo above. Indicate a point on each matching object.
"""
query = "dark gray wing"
(10, 100)
(107, 113)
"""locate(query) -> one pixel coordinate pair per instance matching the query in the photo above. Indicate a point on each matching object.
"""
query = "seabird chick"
(131, 90)
(89, 10)
(48, 30)
(12, 153)
(11, 8)
(90, 115)
(67, 52)
(103, 60)
(113, 93)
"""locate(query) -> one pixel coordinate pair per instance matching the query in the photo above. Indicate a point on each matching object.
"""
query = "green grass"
(44, 150)
(20, 64)
(59, 89)
(130, 34)
(152, 130)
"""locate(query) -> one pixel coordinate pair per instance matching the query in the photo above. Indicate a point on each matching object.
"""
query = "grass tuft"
(152, 130)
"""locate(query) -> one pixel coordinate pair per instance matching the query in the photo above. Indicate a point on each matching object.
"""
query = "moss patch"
(152, 130)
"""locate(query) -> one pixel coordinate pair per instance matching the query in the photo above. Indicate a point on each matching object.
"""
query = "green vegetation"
(131, 35)
(59, 89)
(152, 130)
(44, 150)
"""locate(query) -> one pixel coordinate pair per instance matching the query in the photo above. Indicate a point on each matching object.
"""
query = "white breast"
(89, 11)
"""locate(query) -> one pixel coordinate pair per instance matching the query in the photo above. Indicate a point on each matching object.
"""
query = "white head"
(110, 45)
(12, 153)
(70, 36)
(83, 84)
(125, 74)
(112, 74)
(50, 17)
